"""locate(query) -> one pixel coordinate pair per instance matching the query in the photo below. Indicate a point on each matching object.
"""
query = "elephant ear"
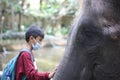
(91, 38)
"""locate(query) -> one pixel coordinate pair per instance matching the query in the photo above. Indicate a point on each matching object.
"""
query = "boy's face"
(38, 39)
(35, 40)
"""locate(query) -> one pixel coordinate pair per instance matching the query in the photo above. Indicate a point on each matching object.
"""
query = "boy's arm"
(29, 69)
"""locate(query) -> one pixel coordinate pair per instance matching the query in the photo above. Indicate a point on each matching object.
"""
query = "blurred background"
(53, 16)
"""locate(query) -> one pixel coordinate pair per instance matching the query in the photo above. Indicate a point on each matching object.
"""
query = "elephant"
(93, 45)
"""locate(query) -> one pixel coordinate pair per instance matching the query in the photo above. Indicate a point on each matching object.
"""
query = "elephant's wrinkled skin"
(93, 48)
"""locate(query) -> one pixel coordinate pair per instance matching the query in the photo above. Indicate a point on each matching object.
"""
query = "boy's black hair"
(35, 32)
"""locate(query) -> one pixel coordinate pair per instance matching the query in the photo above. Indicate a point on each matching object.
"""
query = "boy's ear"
(31, 38)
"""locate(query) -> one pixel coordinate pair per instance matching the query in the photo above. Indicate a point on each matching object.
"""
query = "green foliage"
(50, 31)
(64, 30)
(48, 9)
(17, 8)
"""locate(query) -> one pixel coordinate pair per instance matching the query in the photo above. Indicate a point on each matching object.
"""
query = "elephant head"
(93, 49)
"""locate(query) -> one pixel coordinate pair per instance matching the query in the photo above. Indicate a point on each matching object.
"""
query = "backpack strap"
(27, 50)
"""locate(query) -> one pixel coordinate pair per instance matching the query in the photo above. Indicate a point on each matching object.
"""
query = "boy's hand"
(53, 73)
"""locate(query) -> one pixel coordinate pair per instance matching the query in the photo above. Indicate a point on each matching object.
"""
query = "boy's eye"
(40, 40)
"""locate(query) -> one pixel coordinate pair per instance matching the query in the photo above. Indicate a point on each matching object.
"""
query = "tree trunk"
(20, 16)
(12, 17)
(2, 26)
(0, 63)
(41, 4)
(19, 23)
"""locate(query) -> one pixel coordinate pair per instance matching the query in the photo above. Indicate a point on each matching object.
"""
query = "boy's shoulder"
(26, 54)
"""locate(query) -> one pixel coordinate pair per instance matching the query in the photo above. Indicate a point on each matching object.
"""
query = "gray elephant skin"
(93, 46)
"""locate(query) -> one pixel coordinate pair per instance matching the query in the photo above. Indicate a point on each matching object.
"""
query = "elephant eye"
(107, 25)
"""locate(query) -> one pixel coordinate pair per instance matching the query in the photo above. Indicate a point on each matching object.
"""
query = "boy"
(25, 66)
